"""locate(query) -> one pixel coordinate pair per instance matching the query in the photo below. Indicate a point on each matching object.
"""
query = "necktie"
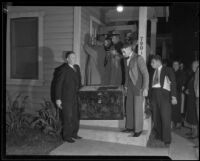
(156, 79)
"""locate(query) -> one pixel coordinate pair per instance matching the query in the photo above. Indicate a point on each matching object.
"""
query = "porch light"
(120, 8)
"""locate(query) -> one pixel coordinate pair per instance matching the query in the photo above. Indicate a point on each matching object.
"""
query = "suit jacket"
(196, 82)
(66, 82)
(180, 80)
(138, 72)
(165, 71)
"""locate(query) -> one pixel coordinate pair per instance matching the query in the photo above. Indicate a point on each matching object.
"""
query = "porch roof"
(132, 13)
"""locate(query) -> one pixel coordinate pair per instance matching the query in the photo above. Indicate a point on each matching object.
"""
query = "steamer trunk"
(101, 103)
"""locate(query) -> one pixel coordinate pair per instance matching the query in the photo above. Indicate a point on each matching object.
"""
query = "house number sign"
(141, 45)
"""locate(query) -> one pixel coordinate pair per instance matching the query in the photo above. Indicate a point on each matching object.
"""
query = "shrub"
(16, 118)
(48, 119)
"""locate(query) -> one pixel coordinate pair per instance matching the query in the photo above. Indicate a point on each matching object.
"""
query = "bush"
(48, 119)
(16, 118)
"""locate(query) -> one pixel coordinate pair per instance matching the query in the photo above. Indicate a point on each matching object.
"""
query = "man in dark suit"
(119, 76)
(137, 83)
(162, 95)
(180, 81)
(67, 83)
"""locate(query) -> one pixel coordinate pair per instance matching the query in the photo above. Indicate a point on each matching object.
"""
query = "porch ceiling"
(131, 13)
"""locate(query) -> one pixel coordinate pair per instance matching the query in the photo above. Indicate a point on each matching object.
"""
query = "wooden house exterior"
(58, 30)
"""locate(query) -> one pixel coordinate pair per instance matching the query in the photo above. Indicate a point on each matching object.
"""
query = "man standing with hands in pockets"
(67, 84)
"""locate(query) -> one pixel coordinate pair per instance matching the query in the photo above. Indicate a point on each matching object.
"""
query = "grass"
(31, 142)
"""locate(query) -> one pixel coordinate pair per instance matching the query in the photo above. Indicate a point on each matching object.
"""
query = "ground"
(35, 142)
(31, 142)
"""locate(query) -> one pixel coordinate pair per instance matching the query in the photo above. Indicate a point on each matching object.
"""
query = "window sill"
(25, 82)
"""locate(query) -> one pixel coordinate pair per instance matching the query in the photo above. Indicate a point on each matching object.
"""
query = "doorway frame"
(94, 19)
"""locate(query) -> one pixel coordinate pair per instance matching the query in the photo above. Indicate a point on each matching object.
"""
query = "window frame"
(40, 80)
(94, 19)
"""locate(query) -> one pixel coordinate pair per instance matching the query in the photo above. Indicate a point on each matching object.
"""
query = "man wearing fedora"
(117, 67)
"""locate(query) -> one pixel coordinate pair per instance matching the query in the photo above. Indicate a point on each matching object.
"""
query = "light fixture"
(120, 8)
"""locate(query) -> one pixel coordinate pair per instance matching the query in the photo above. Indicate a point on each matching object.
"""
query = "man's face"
(115, 39)
(181, 66)
(154, 63)
(127, 51)
(176, 66)
(107, 43)
(71, 59)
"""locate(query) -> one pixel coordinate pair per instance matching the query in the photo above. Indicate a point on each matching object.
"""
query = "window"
(95, 25)
(24, 48)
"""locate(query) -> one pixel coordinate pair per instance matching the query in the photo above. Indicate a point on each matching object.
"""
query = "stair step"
(113, 123)
(112, 132)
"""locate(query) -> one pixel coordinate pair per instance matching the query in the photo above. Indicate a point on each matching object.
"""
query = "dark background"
(183, 24)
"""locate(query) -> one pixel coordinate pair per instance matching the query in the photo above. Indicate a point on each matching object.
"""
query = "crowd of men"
(172, 92)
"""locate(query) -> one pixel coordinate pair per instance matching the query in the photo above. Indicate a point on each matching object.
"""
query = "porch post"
(153, 35)
(142, 31)
(77, 34)
(142, 36)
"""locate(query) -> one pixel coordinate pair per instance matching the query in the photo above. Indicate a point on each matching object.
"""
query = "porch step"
(110, 131)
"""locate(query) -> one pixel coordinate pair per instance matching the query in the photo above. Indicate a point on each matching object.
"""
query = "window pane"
(25, 66)
(25, 31)
(24, 48)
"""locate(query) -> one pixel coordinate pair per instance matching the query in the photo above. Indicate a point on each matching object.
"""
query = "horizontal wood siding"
(58, 36)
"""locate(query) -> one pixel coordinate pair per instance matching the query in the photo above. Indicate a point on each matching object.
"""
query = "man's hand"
(187, 91)
(58, 103)
(174, 100)
(125, 90)
(145, 92)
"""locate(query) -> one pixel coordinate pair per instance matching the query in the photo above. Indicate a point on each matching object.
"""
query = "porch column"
(77, 34)
(153, 35)
(142, 31)
(142, 37)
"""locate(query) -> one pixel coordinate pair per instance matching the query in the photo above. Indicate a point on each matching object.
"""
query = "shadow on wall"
(41, 92)
(49, 65)
(38, 92)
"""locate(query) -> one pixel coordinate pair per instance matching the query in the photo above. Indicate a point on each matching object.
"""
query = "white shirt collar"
(131, 55)
(71, 66)
(160, 67)
(129, 58)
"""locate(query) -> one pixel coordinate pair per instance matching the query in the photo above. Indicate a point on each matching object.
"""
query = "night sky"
(184, 22)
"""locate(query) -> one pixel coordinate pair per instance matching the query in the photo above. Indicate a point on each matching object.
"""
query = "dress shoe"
(192, 137)
(196, 146)
(77, 137)
(127, 130)
(188, 134)
(137, 134)
(178, 126)
(69, 140)
(167, 145)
